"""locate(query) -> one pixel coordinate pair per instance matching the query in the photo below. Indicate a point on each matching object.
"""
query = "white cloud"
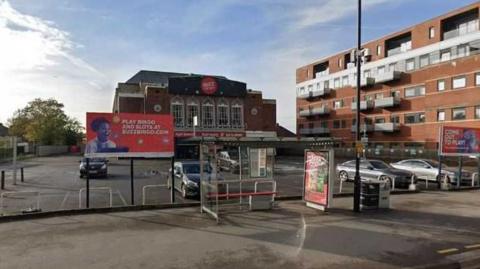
(38, 61)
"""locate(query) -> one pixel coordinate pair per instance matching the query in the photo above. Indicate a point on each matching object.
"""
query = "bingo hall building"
(222, 107)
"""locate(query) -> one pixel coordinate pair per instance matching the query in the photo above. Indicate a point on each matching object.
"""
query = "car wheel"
(387, 179)
(184, 191)
(343, 175)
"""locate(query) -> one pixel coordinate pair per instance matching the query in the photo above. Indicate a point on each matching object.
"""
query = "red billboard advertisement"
(458, 141)
(129, 135)
(317, 178)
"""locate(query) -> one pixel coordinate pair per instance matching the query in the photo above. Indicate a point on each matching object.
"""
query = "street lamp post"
(357, 180)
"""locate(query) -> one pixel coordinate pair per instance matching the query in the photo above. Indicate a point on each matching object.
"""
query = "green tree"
(45, 122)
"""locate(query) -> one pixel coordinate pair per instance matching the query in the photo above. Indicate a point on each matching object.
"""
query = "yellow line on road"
(472, 246)
(446, 251)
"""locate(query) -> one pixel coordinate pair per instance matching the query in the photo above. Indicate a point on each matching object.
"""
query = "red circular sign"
(209, 85)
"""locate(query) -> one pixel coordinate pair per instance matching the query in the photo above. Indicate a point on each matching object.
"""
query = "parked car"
(226, 163)
(375, 169)
(98, 167)
(428, 170)
(187, 177)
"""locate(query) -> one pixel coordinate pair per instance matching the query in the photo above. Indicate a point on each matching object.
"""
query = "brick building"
(223, 107)
(413, 82)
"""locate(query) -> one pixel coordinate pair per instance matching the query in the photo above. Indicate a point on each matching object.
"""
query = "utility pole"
(357, 180)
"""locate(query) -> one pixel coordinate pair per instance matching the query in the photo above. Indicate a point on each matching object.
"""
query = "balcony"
(321, 110)
(364, 128)
(387, 127)
(387, 76)
(313, 94)
(365, 82)
(305, 131)
(364, 105)
(387, 102)
(470, 27)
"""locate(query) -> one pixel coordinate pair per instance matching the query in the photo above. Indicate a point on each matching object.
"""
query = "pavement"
(422, 228)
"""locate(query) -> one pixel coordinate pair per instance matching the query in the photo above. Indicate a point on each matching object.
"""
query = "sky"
(77, 51)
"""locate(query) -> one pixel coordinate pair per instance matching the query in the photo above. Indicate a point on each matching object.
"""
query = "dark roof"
(284, 132)
(157, 77)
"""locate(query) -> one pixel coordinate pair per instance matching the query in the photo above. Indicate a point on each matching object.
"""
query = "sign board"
(208, 134)
(258, 162)
(129, 135)
(459, 141)
(318, 178)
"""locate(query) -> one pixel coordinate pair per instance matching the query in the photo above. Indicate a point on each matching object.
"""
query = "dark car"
(98, 167)
(375, 169)
(187, 177)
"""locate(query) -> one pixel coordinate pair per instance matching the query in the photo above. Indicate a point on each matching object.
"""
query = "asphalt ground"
(422, 228)
(55, 182)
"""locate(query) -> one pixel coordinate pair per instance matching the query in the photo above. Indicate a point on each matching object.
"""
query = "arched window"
(223, 114)
(236, 114)
(177, 111)
(208, 113)
(193, 110)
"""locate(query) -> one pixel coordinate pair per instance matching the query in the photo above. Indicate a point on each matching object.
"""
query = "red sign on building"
(460, 141)
(209, 85)
(129, 135)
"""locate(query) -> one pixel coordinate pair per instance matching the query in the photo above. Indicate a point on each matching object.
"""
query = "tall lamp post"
(357, 180)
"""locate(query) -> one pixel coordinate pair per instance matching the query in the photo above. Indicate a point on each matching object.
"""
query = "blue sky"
(76, 51)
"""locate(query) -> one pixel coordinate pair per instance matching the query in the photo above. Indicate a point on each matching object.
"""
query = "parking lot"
(55, 183)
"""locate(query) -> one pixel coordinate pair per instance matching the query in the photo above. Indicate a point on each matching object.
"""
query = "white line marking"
(302, 233)
(121, 197)
(446, 251)
(64, 200)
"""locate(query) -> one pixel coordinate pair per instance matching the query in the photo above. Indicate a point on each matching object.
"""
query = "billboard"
(458, 141)
(318, 178)
(129, 135)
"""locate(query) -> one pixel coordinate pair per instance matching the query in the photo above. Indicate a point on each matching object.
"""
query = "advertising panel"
(458, 141)
(129, 135)
(317, 178)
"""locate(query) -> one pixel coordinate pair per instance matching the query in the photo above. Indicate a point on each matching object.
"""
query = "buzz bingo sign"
(129, 135)
(318, 179)
(459, 141)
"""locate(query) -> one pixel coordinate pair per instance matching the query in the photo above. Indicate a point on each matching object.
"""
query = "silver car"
(375, 169)
(428, 170)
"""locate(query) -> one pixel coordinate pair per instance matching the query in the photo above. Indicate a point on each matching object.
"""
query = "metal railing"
(95, 188)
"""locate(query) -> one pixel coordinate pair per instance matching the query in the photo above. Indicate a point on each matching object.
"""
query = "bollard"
(21, 174)
(2, 183)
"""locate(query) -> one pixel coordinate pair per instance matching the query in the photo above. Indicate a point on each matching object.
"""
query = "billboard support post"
(132, 187)
(172, 183)
(439, 177)
(460, 164)
(87, 198)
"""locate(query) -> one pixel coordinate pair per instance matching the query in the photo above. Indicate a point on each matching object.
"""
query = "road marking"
(121, 198)
(472, 246)
(64, 200)
(447, 251)
(302, 234)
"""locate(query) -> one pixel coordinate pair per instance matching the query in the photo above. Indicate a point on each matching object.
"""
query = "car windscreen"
(432, 163)
(194, 168)
(379, 165)
(94, 160)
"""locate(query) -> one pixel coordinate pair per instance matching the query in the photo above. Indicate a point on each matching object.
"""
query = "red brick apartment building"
(224, 108)
(413, 82)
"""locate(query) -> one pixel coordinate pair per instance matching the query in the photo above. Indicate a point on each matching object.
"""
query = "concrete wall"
(51, 150)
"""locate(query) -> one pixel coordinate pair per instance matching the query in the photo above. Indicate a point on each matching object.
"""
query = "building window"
(338, 104)
(237, 115)
(336, 83)
(477, 79)
(343, 124)
(345, 81)
(424, 60)
(208, 114)
(340, 62)
(441, 115)
(336, 124)
(192, 111)
(414, 118)
(477, 112)
(380, 120)
(368, 97)
(392, 67)
(459, 113)
(415, 91)
(431, 32)
(395, 119)
(326, 84)
(379, 50)
(318, 86)
(410, 64)
(395, 93)
(379, 95)
(441, 85)
(177, 112)
(462, 50)
(459, 82)
(445, 55)
(366, 74)
(381, 69)
(222, 114)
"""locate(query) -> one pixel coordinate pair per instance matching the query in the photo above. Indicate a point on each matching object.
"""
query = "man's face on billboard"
(103, 132)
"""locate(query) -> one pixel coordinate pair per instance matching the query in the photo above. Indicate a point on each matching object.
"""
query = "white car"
(428, 170)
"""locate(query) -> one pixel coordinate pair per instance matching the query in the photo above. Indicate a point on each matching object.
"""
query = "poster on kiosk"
(318, 179)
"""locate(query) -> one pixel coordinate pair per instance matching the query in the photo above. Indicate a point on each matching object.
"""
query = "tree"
(45, 122)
